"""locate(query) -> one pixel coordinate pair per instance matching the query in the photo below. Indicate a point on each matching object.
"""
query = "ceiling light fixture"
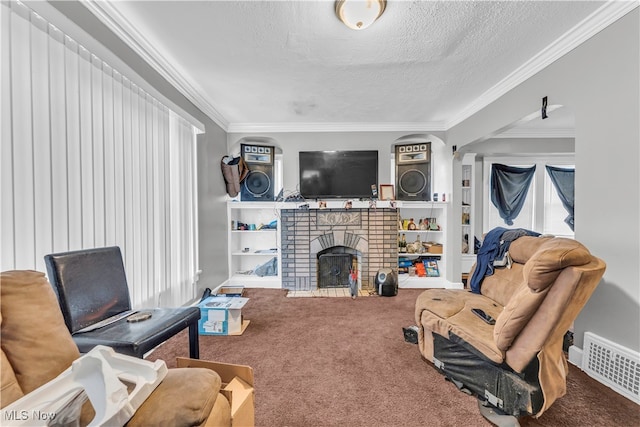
(359, 14)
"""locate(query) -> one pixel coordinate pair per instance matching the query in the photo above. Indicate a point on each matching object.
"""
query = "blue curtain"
(564, 182)
(509, 188)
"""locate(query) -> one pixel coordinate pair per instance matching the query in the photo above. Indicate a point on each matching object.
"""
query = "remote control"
(139, 317)
(484, 316)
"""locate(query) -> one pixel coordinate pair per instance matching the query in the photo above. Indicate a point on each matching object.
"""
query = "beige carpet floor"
(344, 362)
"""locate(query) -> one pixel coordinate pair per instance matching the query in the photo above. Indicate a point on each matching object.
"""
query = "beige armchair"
(516, 365)
(37, 347)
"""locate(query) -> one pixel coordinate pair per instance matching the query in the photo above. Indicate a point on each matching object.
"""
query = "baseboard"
(575, 356)
(215, 290)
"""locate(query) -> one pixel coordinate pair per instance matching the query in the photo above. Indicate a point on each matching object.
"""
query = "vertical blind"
(89, 159)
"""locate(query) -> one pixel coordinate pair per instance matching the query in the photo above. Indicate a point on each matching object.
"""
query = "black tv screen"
(338, 174)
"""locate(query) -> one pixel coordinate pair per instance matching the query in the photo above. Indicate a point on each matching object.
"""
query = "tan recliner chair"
(516, 366)
(37, 347)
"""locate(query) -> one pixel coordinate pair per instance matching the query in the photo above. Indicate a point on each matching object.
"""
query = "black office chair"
(91, 287)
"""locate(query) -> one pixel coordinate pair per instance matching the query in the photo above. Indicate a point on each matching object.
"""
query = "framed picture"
(386, 192)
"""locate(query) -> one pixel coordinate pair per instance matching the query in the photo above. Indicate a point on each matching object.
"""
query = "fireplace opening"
(333, 270)
(335, 265)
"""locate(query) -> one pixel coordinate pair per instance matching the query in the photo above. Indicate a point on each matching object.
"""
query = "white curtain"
(89, 159)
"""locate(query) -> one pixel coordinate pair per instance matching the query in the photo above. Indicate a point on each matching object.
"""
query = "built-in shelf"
(468, 257)
(254, 254)
(270, 230)
(409, 277)
(406, 281)
(414, 255)
(244, 245)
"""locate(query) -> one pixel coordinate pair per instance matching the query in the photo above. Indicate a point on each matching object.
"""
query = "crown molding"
(584, 30)
(121, 27)
(336, 127)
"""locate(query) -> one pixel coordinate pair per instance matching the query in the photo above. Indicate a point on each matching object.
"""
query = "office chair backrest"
(90, 284)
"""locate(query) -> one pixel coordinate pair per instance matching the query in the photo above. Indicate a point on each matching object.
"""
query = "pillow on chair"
(35, 338)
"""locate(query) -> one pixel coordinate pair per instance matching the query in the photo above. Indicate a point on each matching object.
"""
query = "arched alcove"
(440, 167)
(234, 147)
(267, 180)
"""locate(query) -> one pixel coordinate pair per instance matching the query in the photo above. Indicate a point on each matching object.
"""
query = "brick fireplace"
(368, 236)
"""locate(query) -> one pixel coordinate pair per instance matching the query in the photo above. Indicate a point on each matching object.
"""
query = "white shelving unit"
(468, 258)
(419, 211)
(251, 248)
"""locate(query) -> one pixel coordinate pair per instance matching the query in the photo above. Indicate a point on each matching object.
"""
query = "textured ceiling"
(293, 63)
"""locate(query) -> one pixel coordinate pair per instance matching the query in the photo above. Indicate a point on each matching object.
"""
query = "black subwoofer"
(413, 171)
(258, 185)
(386, 281)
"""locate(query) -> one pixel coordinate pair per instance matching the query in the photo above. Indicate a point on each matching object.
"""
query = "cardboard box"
(222, 316)
(230, 291)
(237, 387)
(435, 249)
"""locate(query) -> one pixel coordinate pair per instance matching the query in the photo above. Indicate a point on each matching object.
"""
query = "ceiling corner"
(121, 27)
(604, 16)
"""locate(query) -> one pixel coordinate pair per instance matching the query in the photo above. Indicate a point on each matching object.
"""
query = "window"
(554, 212)
(542, 211)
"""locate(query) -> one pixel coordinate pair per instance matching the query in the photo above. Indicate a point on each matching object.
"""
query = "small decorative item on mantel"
(387, 192)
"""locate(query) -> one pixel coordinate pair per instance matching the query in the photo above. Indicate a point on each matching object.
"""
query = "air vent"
(613, 365)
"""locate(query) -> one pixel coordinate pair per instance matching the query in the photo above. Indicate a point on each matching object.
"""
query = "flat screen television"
(338, 174)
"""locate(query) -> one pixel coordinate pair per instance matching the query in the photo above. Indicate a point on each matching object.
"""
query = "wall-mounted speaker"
(413, 171)
(258, 185)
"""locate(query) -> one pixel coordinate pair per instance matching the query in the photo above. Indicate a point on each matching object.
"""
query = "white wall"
(599, 82)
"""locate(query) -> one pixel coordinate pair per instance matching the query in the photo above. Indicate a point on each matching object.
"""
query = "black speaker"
(413, 171)
(386, 281)
(258, 185)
